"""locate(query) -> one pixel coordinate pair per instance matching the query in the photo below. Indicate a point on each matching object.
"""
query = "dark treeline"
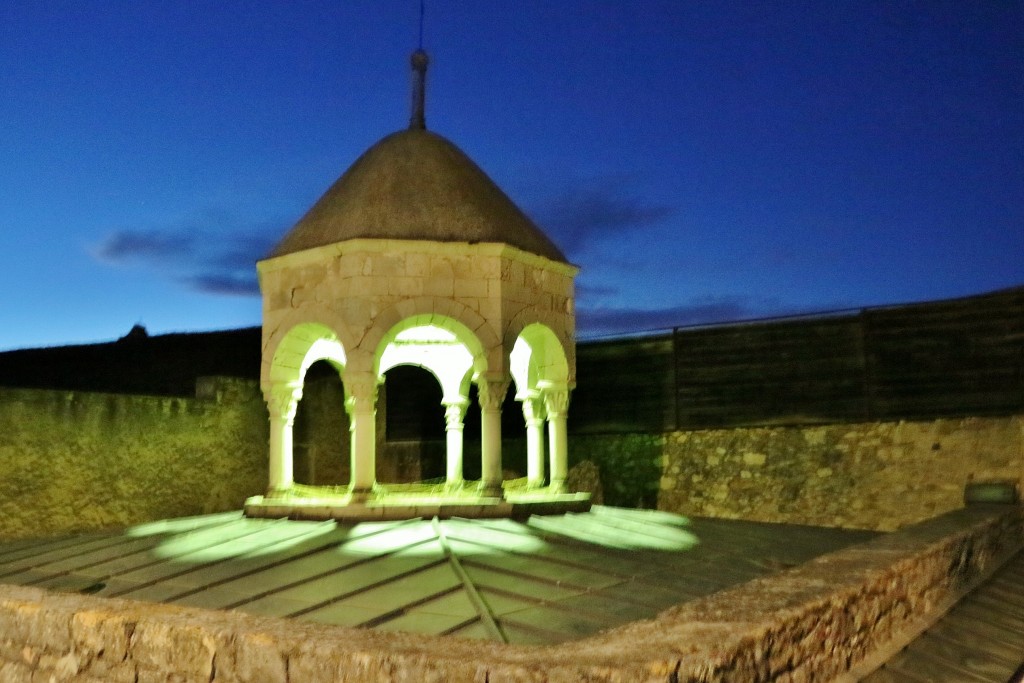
(946, 358)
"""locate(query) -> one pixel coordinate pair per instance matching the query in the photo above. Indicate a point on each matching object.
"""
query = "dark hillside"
(166, 364)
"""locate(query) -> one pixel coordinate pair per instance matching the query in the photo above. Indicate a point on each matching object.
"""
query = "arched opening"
(414, 426)
(300, 348)
(320, 444)
(540, 371)
(454, 356)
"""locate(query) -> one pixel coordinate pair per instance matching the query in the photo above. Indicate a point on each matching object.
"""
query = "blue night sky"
(701, 161)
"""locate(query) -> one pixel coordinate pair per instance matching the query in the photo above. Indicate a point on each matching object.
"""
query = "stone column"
(556, 403)
(533, 413)
(361, 405)
(282, 402)
(454, 412)
(491, 395)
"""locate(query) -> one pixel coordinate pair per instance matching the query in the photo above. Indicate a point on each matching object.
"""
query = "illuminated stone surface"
(415, 257)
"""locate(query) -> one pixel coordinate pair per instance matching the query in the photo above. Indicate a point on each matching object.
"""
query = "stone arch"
(301, 346)
(298, 347)
(540, 369)
(284, 346)
(538, 359)
(453, 354)
(459, 332)
(556, 323)
(461, 317)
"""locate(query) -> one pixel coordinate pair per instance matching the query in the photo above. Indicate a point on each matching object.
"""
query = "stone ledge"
(397, 507)
(809, 623)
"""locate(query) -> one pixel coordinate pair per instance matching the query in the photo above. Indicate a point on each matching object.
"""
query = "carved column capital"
(283, 400)
(533, 411)
(556, 401)
(491, 393)
(360, 393)
(454, 412)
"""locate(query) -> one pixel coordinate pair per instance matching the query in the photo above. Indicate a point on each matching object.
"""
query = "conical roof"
(416, 185)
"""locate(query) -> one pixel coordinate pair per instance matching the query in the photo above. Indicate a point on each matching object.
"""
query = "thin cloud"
(230, 284)
(581, 215)
(242, 251)
(126, 246)
(207, 259)
(594, 292)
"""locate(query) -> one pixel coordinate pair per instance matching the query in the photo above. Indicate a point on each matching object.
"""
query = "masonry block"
(253, 658)
(15, 672)
(173, 645)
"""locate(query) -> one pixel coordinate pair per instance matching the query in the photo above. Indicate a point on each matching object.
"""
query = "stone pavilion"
(415, 256)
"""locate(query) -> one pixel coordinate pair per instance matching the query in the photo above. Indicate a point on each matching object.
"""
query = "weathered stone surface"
(15, 672)
(630, 465)
(74, 461)
(174, 644)
(253, 657)
(874, 475)
(585, 477)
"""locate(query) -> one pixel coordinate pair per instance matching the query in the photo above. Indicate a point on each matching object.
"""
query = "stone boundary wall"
(75, 461)
(809, 623)
(871, 475)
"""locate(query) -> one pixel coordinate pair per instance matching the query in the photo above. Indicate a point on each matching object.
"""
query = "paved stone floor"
(981, 639)
(543, 580)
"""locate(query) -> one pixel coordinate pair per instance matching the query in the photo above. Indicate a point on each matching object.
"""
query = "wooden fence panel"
(624, 385)
(800, 371)
(960, 357)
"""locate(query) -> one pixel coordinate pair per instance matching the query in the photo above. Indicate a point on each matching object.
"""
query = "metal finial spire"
(419, 61)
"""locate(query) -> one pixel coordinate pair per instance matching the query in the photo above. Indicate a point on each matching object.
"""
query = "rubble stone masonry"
(872, 475)
(76, 461)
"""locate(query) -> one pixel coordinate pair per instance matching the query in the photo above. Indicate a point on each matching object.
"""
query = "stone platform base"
(397, 506)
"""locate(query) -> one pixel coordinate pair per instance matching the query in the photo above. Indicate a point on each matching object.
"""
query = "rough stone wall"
(74, 461)
(808, 623)
(876, 475)
(629, 465)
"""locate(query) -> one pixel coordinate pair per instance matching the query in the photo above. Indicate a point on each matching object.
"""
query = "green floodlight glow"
(226, 541)
(519, 365)
(179, 525)
(426, 334)
(618, 531)
(324, 348)
(434, 349)
(219, 537)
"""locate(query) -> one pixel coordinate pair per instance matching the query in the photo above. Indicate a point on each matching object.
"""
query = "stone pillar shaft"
(454, 412)
(533, 412)
(491, 395)
(361, 405)
(282, 402)
(556, 403)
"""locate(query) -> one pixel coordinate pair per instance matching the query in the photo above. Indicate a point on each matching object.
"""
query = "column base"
(557, 486)
(360, 495)
(278, 492)
(491, 490)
